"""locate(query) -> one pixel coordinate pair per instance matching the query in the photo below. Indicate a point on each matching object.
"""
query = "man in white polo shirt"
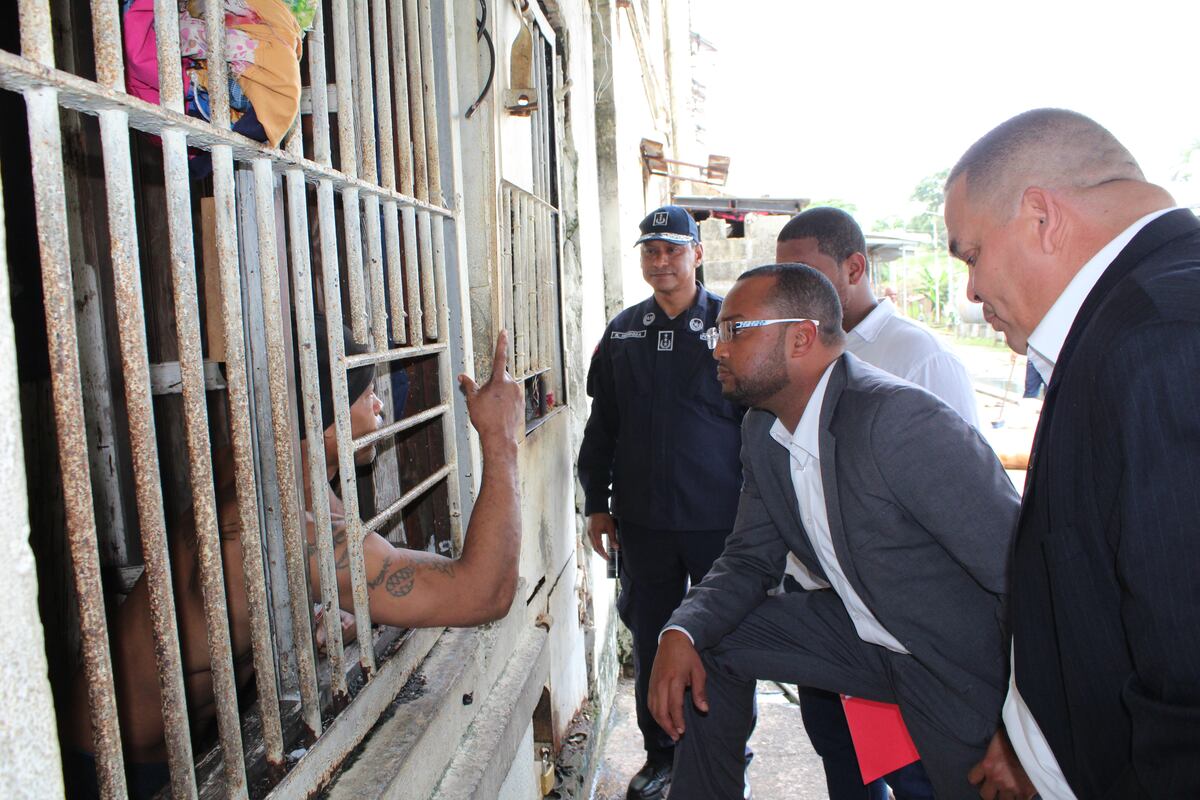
(1081, 260)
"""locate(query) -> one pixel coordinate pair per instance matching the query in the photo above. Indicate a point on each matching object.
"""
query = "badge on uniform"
(696, 324)
(648, 318)
(660, 218)
(666, 340)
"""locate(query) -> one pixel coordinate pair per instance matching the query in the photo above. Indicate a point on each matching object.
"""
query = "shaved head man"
(1079, 259)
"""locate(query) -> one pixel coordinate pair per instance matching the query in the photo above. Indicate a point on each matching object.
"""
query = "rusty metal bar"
(345, 447)
(19, 74)
(403, 126)
(310, 402)
(348, 162)
(364, 91)
(412, 276)
(400, 425)
(166, 36)
(506, 270)
(535, 295)
(46, 154)
(395, 272)
(106, 40)
(319, 89)
(290, 504)
(407, 498)
(352, 222)
(438, 242)
(395, 354)
(243, 453)
(429, 315)
(520, 292)
(429, 95)
(135, 369)
(375, 270)
(383, 94)
(416, 102)
(195, 414)
(218, 70)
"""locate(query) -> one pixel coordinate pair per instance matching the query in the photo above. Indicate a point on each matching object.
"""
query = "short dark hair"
(802, 291)
(1052, 147)
(838, 235)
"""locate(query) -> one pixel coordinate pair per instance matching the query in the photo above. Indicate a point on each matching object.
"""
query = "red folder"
(880, 737)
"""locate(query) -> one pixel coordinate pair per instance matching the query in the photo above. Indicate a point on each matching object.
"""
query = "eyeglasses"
(727, 328)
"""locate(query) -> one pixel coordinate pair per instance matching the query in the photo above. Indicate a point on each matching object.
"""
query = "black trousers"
(656, 568)
(807, 638)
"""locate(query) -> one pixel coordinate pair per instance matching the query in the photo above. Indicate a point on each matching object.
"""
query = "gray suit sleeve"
(947, 478)
(751, 564)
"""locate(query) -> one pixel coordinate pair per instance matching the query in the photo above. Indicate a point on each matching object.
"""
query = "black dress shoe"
(651, 781)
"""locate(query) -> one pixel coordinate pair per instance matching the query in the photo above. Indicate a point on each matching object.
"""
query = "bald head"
(1048, 147)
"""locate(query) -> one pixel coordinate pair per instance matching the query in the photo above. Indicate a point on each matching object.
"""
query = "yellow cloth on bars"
(271, 81)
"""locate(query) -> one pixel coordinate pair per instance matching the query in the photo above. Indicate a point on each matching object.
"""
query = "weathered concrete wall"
(725, 258)
(29, 755)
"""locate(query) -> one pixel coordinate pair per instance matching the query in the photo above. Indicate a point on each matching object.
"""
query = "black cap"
(669, 224)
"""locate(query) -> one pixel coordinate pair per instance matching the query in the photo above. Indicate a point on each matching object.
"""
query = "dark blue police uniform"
(667, 445)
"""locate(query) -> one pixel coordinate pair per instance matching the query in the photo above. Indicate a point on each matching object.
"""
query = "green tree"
(892, 223)
(929, 191)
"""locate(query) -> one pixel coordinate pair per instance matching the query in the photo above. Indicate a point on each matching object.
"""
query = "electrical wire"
(481, 32)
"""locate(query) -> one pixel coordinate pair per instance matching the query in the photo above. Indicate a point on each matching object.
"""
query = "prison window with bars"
(160, 327)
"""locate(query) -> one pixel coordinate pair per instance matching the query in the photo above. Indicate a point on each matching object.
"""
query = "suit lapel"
(1156, 234)
(829, 479)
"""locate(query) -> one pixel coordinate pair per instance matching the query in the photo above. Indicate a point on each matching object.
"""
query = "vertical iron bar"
(428, 288)
(506, 271)
(520, 294)
(403, 127)
(218, 70)
(45, 139)
(364, 91)
(383, 94)
(45, 149)
(311, 404)
(195, 413)
(166, 35)
(429, 96)
(106, 40)
(319, 88)
(290, 505)
(395, 279)
(237, 381)
(416, 106)
(375, 261)
(348, 163)
(412, 276)
(135, 369)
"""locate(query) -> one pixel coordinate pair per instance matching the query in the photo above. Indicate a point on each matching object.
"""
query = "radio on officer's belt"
(613, 555)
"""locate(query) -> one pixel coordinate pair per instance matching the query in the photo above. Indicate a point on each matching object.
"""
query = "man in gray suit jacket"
(882, 491)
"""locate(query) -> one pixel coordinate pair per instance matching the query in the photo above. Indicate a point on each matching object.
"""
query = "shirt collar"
(1046, 341)
(871, 325)
(698, 309)
(804, 442)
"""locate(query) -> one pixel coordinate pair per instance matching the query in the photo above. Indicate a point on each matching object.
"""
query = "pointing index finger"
(500, 360)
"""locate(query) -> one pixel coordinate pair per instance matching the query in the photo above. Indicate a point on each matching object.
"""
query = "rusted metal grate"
(274, 225)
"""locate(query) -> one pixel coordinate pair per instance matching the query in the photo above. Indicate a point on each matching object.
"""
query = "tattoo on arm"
(378, 579)
(400, 582)
(446, 567)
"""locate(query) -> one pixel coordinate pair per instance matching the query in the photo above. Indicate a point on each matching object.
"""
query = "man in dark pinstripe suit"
(1081, 260)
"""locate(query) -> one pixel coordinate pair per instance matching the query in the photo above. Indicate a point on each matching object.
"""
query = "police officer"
(659, 461)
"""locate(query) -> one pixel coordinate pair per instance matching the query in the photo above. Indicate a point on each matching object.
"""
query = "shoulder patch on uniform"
(696, 324)
(648, 318)
(628, 335)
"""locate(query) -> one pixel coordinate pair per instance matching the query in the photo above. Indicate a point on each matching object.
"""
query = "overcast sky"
(860, 100)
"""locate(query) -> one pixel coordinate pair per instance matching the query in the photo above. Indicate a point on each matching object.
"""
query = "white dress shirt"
(909, 350)
(1045, 344)
(804, 451)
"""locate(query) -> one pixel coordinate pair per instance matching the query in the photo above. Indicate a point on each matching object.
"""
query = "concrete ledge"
(416, 737)
(490, 747)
